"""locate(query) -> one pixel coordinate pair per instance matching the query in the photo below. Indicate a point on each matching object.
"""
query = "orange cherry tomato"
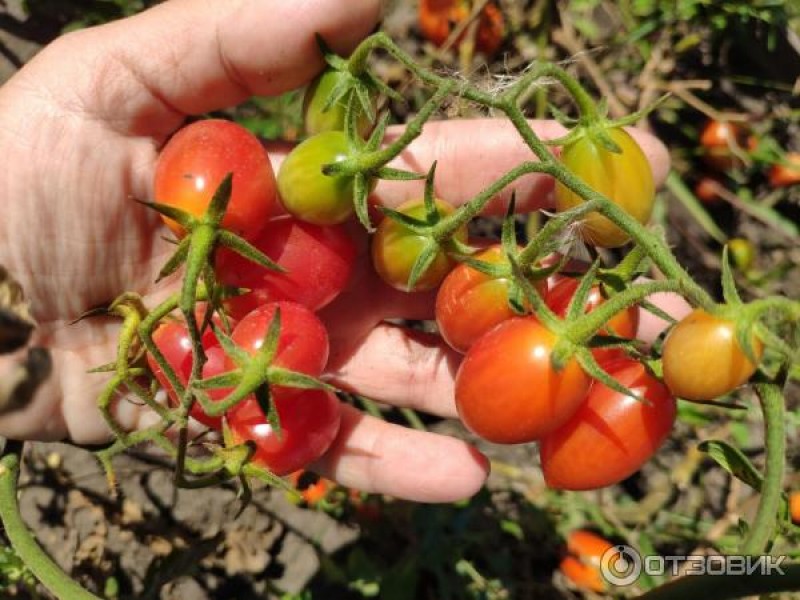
(707, 190)
(438, 19)
(469, 302)
(702, 358)
(507, 390)
(794, 507)
(786, 173)
(581, 565)
(719, 142)
(611, 435)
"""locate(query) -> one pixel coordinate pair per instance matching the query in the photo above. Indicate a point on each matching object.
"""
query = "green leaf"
(733, 461)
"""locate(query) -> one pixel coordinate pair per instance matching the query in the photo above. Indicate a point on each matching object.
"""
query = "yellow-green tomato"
(702, 359)
(625, 178)
(396, 248)
(742, 253)
(316, 119)
(305, 191)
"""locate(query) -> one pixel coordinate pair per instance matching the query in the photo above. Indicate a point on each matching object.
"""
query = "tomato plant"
(439, 18)
(506, 388)
(309, 422)
(197, 158)
(318, 261)
(720, 141)
(470, 302)
(702, 358)
(302, 342)
(787, 172)
(395, 249)
(581, 565)
(611, 435)
(623, 177)
(305, 191)
(624, 324)
(316, 119)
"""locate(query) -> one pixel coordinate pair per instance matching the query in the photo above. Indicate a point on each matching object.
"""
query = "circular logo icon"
(620, 565)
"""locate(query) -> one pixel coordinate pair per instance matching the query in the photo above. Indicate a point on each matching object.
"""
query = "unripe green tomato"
(395, 249)
(305, 191)
(742, 253)
(624, 178)
(316, 119)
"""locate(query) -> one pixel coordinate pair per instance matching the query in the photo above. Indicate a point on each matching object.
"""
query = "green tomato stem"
(762, 530)
(35, 558)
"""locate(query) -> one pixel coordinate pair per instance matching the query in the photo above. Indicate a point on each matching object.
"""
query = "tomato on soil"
(581, 565)
(720, 141)
(785, 173)
(439, 18)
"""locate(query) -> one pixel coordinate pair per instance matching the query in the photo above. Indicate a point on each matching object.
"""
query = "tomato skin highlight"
(506, 389)
(702, 359)
(611, 435)
(315, 119)
(582, 563)
(625, 178)
(305, 191)
(197, 158)
(395, 249)
(309, 422)
(717, 142)
(469, 303)
(624, 324)
(318, 260)
(302, 343)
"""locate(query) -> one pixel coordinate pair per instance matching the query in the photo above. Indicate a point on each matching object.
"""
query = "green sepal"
(729, 291)
(180, 216)
(412, 223)
(601, 138)
(592, 369)
(220, 200)
(578, 300)
(423, 262)
(177, 259)
(432, 215)
(393, 174)
(294, 379)
(263, 395)
(361, 201)
(247, 250)
(228, 379)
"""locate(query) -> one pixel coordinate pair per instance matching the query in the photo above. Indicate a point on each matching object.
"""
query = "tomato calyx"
(255, 374)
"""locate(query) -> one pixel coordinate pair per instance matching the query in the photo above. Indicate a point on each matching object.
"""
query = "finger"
(379, 457)
(194, 56)
(401, 367)
(650, 325)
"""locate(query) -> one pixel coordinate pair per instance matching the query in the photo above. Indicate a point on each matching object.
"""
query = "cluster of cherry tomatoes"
(507, 388)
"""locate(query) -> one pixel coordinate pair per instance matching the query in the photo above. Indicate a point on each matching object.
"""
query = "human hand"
(81, 126)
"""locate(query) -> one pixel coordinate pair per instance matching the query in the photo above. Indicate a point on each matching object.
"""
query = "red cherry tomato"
(395, 249)
(702, 358)
(507, 390)
(318, 261)
(624, 324)
(611, 435)
(173, 340)
(625, 178)
(302, 342)
(469, 302)
(195, 161)
(582, 563)
(309, 422)
(785, 173)
(719, 141)
(438, 19)
(305, 191)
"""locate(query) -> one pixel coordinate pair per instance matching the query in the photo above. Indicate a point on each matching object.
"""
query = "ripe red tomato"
(317, 120)
(718, 141)
(785, 173)
(395, 249)
(305, 191)
(469, 303)
(624, 324)
(302, 342)
(309, 422)
(318, 261)
(438, 19)
(624, 178)
(173, 340)
(195, 161)
(611, 435)
(582, 563)
(507, 390)
(702, 358)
